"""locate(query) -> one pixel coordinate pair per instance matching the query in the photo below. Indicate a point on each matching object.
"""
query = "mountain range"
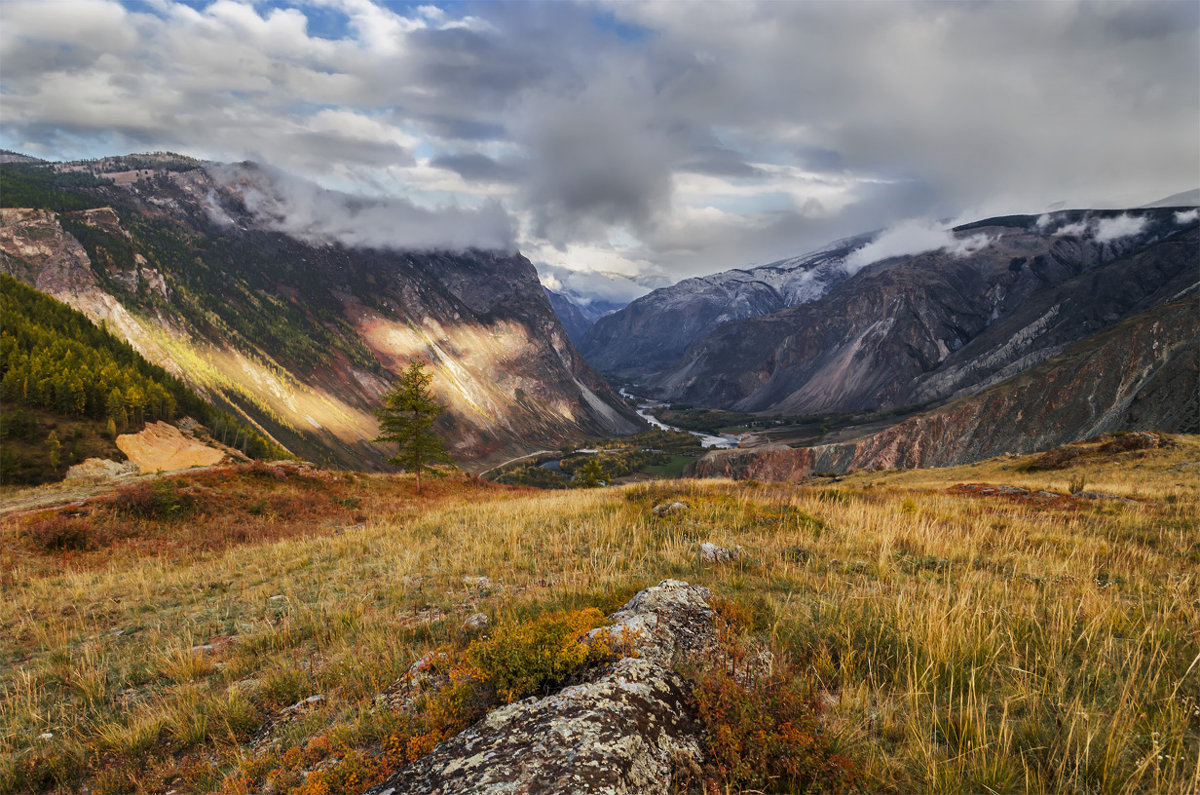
(578, 314)
(818, 335)
(1002, 337)
(297, 334)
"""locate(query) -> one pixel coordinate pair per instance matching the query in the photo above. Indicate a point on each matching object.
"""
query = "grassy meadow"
(958, 640)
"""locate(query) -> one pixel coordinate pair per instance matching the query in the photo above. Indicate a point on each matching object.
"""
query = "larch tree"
(407, 417)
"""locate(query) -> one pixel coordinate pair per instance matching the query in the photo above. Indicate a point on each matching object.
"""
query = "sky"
(655, 140)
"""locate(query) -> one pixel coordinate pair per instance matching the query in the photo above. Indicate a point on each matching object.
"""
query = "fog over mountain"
(656, 140)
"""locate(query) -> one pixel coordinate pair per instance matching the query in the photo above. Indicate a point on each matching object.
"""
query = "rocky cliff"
(302, 335)
(1141, 374)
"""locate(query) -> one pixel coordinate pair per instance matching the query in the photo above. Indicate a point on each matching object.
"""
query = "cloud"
(308, 212)
(478, 167)
(680, 137)
(587, 286)
(1078, 228)
(1185, 217)
(1110, 229)
(914, 237)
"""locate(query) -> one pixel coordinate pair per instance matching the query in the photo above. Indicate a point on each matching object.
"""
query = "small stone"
(477, 582)
(711, 553)
(46, 736)
(476, 621)
(665, 508)
(277, 597)
(308, 702)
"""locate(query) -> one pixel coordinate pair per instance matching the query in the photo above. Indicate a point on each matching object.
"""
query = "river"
(644, 407)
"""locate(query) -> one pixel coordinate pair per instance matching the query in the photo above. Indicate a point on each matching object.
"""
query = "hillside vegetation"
(945, 634)
(55, 363)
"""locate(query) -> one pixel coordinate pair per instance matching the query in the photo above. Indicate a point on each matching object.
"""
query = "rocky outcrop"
(622, 732)
(1139, 375)
(161, 447)
(101, 469)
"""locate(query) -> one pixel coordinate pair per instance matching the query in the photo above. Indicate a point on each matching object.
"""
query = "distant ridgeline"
(54, 361)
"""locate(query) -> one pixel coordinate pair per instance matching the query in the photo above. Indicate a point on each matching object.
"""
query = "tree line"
(54, 358)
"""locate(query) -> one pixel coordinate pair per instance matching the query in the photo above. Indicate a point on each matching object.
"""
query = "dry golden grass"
(965, 642)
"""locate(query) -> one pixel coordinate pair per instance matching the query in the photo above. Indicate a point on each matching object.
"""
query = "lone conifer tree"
(406, 418)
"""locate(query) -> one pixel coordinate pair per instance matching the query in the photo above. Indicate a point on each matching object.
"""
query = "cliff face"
(1142, 374)
(302, 337)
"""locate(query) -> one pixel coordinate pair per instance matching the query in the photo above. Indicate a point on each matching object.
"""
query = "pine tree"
(590, 474)
(406, 418)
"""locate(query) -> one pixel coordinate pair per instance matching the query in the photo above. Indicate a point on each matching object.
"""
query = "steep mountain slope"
(1141, 374)
(301, 336)
(67, 388)
(925, 327)
(655, 330)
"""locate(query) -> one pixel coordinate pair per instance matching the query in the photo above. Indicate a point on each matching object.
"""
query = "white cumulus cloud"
(1185, 217)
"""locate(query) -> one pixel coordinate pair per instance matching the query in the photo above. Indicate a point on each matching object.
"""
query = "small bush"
(58, 532)
(768, 736)
(161, 500)
(764, 730)
(538, 657)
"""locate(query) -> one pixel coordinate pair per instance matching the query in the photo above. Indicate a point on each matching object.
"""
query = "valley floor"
(960, 637)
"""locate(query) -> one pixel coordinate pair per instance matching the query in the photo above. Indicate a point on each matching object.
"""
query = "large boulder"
(625, 731)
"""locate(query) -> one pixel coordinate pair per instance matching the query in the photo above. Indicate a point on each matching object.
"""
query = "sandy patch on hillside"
(160, 446)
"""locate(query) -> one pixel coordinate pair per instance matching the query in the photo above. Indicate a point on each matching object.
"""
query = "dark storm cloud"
(719, 162)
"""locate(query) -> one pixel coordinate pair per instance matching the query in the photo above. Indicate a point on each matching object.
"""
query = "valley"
(599, 398)
(923, 524)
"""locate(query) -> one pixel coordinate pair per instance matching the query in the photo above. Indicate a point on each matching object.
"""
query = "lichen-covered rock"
(619, 734)
(666, 622)
(476, 621)
(624, 731)
(666, 508)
